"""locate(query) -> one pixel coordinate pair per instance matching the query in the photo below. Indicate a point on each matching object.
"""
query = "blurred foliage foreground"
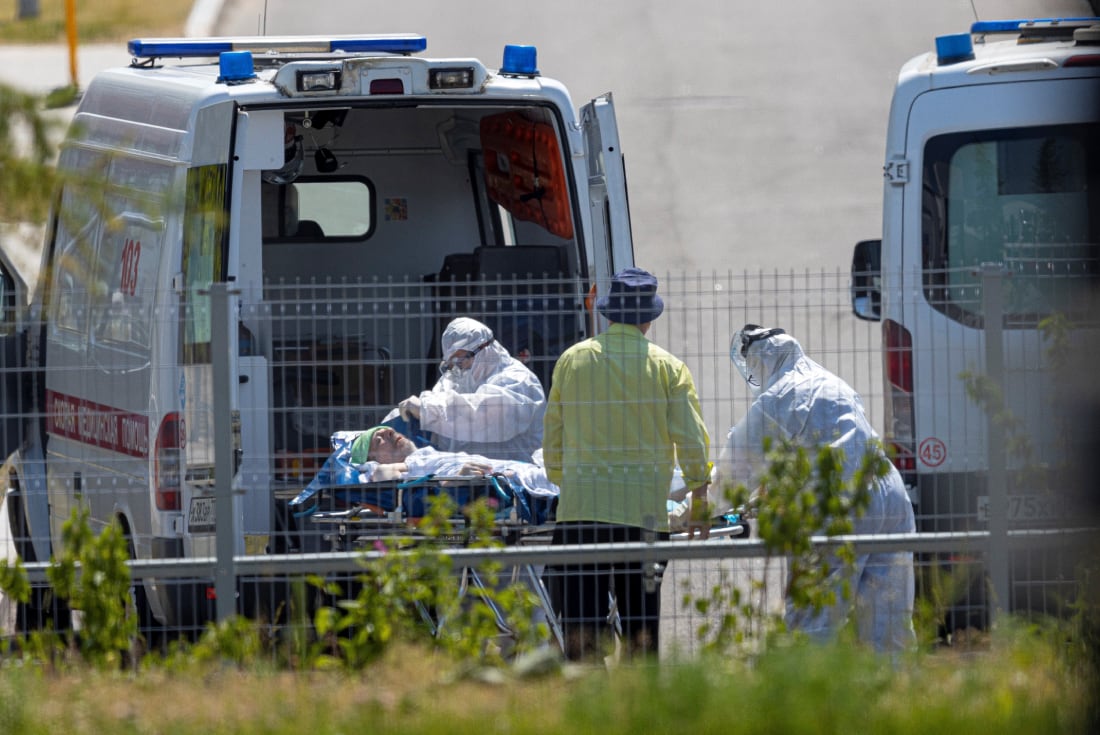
(26, 157)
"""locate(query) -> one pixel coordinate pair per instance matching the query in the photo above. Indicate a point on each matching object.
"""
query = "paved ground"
(41, 68)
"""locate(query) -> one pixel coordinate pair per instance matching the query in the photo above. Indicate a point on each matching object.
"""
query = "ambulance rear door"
(12, 302)
(612, 247)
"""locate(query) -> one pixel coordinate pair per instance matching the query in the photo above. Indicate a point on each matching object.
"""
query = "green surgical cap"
(360, 448)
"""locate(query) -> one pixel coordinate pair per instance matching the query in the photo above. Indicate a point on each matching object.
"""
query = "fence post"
(225, 577)
(993, 275)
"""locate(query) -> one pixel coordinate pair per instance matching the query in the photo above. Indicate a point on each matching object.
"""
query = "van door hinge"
(896, 170)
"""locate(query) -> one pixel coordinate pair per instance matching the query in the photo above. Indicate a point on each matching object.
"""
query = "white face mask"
(458, 367)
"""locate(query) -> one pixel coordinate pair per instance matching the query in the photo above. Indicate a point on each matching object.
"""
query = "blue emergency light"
(953, 48)
(1013, 26)
(520, 60)
(392, 43)
(236, 67)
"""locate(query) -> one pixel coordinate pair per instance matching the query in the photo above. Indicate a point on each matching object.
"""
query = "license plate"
(200, 517)
(1026, 507)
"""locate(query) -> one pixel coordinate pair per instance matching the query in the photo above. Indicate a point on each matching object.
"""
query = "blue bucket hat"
(633, 298)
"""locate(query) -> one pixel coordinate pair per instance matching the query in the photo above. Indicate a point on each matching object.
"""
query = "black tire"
(150, 630)
(44, 609)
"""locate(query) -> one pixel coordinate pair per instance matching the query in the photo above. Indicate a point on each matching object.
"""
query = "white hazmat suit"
(491, 405)
(798, 400)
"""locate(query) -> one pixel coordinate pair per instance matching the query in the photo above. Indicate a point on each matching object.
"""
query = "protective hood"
(466, 334)
(762, 354)
(489, 358)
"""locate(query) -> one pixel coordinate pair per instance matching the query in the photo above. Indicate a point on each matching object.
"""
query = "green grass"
(96, 20)
(1023, 685)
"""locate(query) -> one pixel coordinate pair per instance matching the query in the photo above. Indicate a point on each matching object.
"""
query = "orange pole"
(70, 29)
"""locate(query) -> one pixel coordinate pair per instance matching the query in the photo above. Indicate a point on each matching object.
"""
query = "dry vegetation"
(96, 20)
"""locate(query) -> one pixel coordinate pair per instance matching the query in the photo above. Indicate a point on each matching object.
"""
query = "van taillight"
(168, 461)
(898, 344)
(387, 86)
(1082, 60)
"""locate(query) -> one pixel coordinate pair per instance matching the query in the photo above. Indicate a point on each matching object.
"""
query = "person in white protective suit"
(798, 400)
(486, 402)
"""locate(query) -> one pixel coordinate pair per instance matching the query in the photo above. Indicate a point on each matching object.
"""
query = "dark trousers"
(580, 592)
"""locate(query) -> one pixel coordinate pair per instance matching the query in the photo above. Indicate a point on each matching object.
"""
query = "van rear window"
(1028, 198)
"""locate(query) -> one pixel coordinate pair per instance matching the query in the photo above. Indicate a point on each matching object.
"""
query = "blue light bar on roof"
(1012, 26)
(392, 43)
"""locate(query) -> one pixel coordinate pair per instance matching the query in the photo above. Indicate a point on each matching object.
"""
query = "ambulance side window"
(75, 242)
(204, 254)
(1026, 198)
(128, 258)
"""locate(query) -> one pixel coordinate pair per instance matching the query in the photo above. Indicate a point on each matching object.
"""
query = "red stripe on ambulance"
(98, 425)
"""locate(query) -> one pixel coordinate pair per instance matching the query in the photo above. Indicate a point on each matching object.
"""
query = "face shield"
(739, 349)
(460, 361)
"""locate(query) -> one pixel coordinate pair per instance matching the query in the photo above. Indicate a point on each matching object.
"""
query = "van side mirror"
(866, 283)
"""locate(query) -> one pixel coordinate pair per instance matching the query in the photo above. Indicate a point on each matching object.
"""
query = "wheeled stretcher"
(355, 516)
(351, 512)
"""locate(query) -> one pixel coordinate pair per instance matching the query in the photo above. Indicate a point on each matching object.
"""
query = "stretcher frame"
(360, 524)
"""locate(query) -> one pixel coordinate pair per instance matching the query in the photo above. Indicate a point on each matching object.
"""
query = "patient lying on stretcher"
(382, 454)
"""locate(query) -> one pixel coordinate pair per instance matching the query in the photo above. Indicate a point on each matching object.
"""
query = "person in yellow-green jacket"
(622, 413)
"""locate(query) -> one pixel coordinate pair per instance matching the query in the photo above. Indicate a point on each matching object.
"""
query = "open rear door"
(13, 397)
(610, 208)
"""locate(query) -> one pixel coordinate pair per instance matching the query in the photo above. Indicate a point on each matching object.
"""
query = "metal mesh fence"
(123, 421)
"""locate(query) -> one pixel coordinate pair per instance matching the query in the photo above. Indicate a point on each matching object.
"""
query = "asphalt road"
(753, 132)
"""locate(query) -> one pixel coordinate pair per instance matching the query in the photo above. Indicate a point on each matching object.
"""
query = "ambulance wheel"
(43, 609)
(149, 628)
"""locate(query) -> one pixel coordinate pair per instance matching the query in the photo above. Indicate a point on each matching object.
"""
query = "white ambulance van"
(992, 157)
(357, 195)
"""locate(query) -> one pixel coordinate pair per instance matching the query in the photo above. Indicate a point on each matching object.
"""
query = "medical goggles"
(752, 333)
(461, 362)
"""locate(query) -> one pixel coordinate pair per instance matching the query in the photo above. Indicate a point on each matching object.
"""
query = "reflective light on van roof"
(455, 78)
(394, 43)
(322, 80)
